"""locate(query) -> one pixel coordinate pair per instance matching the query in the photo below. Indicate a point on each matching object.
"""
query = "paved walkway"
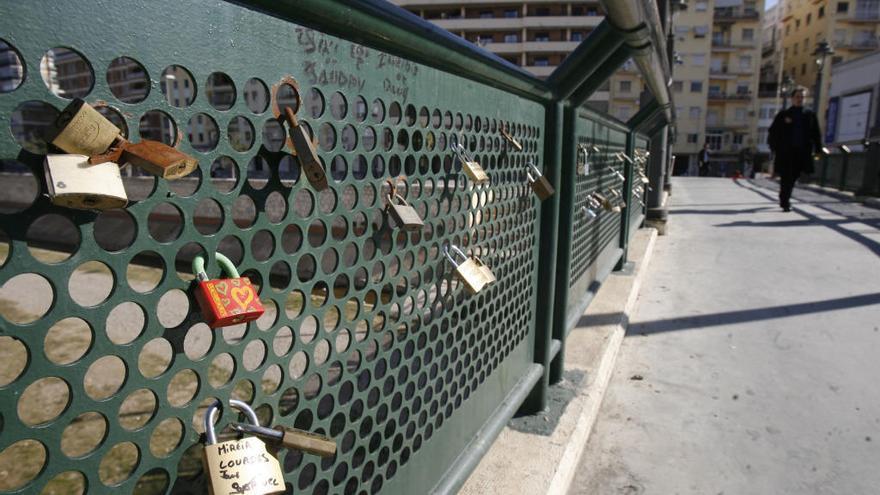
(752, 360)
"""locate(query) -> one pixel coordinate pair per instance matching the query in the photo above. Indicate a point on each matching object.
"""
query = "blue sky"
(769, 3)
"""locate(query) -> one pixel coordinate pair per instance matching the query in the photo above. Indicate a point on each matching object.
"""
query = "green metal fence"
(853, 167)
(367, 337)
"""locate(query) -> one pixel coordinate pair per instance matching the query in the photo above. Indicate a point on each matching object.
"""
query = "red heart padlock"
(225, 301)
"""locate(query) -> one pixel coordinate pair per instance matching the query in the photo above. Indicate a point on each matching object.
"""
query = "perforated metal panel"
(366, 337)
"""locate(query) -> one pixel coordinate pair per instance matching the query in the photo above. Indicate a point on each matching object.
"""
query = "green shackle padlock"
(227, 301)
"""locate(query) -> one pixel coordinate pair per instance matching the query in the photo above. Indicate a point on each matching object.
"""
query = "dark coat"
(789, 158)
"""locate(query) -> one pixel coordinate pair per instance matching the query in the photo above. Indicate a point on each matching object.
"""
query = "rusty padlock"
(242, 466)
(510, 139)
(72, 182)
(158, 159)
(469, 166)
(404, 215)
(472, 272)
(227, 301)
(539, 183)
(304, 149)
(81, 130)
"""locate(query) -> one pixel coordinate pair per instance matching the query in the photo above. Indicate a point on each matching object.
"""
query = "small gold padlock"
(304, 149)
(539, 183)
(82, 130)
(473, 273)
(510, 139)
(404, 215)
(159, 159)
(72, 182)
(241, 466)
(469, 166)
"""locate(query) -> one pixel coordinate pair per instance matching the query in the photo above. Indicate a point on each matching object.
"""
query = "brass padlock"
(291, 438)
(404, 215)
(510, 139)
(304, 149)
(607, 205)
(241, 466)
(159, 159)
(82, 130)
(73, 182)
(469, 166)
(473, 273)
(539, 183)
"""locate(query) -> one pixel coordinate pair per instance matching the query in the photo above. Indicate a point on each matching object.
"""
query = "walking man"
(793, 137)
(703, 160)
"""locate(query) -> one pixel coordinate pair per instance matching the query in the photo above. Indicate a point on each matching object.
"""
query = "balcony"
(860, 16)
(862, 45)
(722, 15)
(509, 23)
(721, 96)
(729, 46)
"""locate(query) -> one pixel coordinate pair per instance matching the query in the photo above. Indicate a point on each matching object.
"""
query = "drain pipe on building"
(639, 22)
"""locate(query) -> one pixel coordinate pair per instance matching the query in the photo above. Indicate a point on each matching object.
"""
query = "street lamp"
(786, 87)
(823, 50)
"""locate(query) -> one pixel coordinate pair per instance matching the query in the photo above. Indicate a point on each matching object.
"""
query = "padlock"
(643, 178)
(82, 130)
(583, 160)
(607, 204)
(404, 215)
(510, 139)
(227, 301)
(469, 166)
(73, 182)
(619, 175)
(291, 438)
(242, 466)
(158, 159)
(589, 213)
(623, 157)
(539, 183)
(472, 272)
(304, 149)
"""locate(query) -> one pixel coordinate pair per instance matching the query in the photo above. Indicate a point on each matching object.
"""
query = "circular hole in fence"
(276, 206)
(410, 115)
(321, 352)
(118, 463)
(165, 223)
(280, 276)
(283, 341)
(91, 283)
(327, 136)
(273, 135)
(158, 126)
(309, 327)
(43, 401)
(262, 245)
(145, 271)
(243, 391)
(315, 103)
(270, 315)
(294, 305)
(299, 363)
(291, 239)
(224, 174)
(303, 203)
(244, 211)
(58, 65)
(241, 134)
(178, 86)
(349, 138)
(114, 230)
(208, 216)
(172, 308)
(21, 463)
(198, 341)
(182, 388)
(202, 132)
(14, 66)
(313, 387)
(115, 118)
(289, 170)
(394, 113)
(67, 341)
(53, 238)
(256, 95)
(32, 125)
(155, 357)
(271, 380)
(153, 482)
(14, 359)
(258, 172)
(66, 483)
(254, 355)
(137, 409)
(338, 106)
(287, 96)
(288, 401)
(105, 377)
(17, 197)
(220, 91)
(166, 437)
(221, 370)
(125, 323)
(234, 334)
(128, 80)
(84, 434)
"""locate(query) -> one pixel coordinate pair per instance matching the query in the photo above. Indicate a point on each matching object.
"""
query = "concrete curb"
(535, 462)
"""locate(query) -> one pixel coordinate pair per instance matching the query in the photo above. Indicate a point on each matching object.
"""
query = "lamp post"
(823, 50)
(786, 87)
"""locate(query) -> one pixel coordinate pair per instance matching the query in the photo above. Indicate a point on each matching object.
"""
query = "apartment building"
(716, 85)
(535, 35)
(851, 27)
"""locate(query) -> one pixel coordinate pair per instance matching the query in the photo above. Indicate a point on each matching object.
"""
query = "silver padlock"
(470, 166)
(623, 157)
(583, 160)
(471, 271)
(404, 215)
(241, 466)
(619, 175)
(589, 213)
(72, 182)
(540, 185)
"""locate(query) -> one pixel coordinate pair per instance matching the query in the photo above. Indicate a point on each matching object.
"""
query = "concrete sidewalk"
(751, 361)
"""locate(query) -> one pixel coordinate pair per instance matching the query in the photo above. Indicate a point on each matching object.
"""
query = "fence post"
(871, 178)
(627, 192)
(843, 168)
(826, 158)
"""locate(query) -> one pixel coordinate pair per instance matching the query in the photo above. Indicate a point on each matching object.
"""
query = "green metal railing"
(367, 337)
(852, 166)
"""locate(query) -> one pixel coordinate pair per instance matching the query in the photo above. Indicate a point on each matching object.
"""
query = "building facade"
(854, 100)
(535, 35)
